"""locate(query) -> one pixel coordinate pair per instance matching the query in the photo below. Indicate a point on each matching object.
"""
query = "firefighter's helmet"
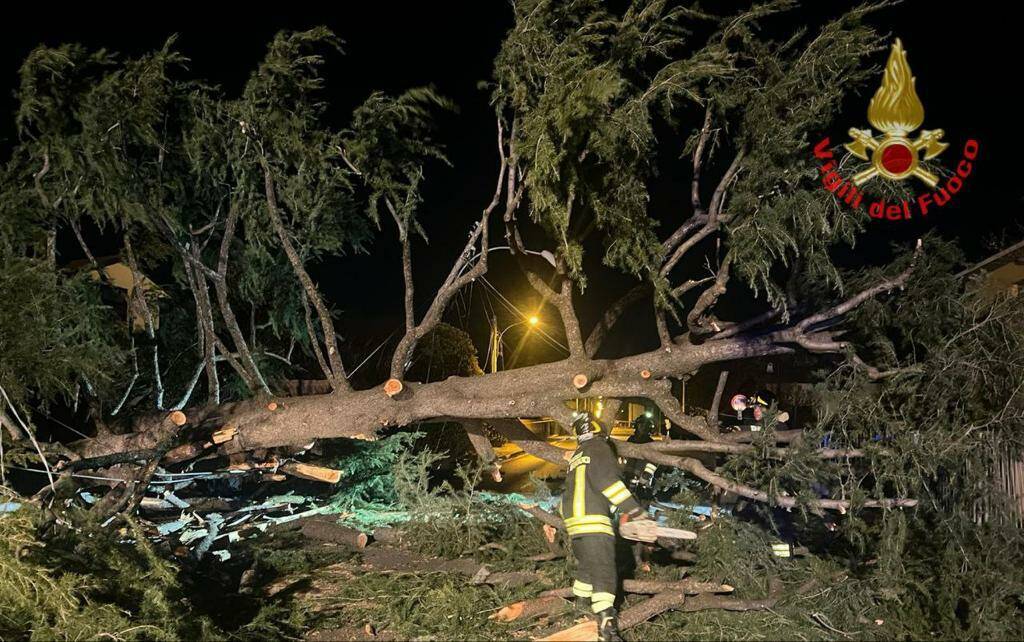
(584, 424)
(643, 426)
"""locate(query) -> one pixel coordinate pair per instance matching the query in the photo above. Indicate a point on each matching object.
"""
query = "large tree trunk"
(526, 392)
(535, 391)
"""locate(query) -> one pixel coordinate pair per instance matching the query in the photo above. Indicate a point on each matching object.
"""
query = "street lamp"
(496, 336)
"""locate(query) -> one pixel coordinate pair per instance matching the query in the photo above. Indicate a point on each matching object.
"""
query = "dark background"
(965, 60)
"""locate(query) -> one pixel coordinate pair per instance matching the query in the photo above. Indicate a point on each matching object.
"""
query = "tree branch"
(204, 318)
(714, 215)
(456, 279)
(612, 316)
(698, 320)
(713, 411)
(697, 469)
(223, 302)
(140, 299)
(669, 407)
(336, 375)
(313, 340)
(733, 329)
(842, 308)
(529, 442)
(698, 160)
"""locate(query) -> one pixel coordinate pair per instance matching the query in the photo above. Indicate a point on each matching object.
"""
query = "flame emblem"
(896, 111)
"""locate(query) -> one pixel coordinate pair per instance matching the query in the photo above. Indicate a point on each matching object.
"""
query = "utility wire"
(363, 362)
(31, 436)
(117, 479)
(512, 307)
(55, 420)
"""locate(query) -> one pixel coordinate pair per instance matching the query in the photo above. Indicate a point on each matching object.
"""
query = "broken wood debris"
(225, 434)
(311, 472)
(324, 530)
(199, 513)
(669, 600)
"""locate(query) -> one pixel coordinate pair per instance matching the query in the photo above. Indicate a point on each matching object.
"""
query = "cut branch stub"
(392, 387)
(645, 374)
(272, 406)
(177, 418)
(580, 381)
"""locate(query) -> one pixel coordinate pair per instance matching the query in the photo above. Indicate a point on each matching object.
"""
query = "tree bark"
(510, 394)
(536, 391)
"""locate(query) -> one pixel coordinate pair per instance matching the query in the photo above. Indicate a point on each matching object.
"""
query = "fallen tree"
(275, 194)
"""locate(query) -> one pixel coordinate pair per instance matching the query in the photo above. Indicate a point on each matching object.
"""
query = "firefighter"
(640, 472)
(593, 492)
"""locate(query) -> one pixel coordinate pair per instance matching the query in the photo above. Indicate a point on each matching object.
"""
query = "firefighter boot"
(608, 626)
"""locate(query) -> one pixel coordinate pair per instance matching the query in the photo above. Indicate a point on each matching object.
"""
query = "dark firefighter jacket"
(593, 489)
(638, 470)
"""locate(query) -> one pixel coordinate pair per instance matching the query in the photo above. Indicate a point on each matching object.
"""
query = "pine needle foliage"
(87, 585)
(54, 333)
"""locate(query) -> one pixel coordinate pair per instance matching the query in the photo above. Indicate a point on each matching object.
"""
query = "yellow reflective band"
(780, 550)
(587, 519)
(602, 601)
(589, 524)
(616, 493)
(579, 504)
(620, 497)
(590, 529)
(582, 519)
(651, 468)
(582, 589)
(619, 500)
(613, 489)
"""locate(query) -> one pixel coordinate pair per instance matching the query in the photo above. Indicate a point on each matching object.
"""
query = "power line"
(512, 307)
(363, 362)
(55, 420)
(113, 479)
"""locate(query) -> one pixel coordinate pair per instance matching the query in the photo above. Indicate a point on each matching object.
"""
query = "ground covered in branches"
(457, 556)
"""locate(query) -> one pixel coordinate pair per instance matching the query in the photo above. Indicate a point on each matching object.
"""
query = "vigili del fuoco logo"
(896, 112)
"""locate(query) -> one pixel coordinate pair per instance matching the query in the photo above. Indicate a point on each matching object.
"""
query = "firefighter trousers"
(596, 573)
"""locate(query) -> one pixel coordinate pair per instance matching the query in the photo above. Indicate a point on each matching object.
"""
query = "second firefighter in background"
(594, 492)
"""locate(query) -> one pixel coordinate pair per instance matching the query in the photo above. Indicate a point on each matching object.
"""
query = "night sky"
(965, 60)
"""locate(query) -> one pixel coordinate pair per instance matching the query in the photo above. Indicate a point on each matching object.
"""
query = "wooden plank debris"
(311, 472)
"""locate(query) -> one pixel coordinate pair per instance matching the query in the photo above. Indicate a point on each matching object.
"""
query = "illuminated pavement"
(517, 466)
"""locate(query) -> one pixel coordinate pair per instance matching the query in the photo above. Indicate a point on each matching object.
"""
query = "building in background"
(120, 278)
(1003, 272)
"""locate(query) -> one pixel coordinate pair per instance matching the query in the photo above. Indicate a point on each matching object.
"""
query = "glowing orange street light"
(532, 321)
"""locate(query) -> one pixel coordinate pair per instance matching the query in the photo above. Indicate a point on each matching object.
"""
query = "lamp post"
(496, 336)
